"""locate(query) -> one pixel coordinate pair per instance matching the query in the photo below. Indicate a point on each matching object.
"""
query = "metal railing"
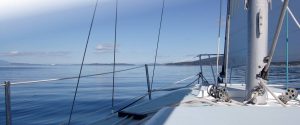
(7, 86)
(73, 77)
(7, 102)
(209, 63)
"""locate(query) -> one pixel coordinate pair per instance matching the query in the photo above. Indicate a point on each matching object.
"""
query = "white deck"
(226, 115)
(199, 108)
(194, 106)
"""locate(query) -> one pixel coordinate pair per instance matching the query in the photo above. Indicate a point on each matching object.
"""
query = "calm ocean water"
(50, 103)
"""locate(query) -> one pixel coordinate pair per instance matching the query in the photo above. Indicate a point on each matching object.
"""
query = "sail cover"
(239, 28)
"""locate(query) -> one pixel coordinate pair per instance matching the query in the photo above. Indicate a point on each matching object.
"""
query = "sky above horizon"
(55, 31)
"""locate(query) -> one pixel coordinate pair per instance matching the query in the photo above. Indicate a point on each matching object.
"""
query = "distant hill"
(6, 63)
(206, 61)
(214, 61)
(293, 63)
(108, 64)
(24, 64)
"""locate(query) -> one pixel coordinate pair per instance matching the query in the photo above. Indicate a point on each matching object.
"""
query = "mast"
(257, 42)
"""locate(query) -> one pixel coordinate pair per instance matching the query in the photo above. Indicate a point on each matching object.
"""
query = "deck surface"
(226, 115)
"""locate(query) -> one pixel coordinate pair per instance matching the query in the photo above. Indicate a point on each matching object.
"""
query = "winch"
(218, 92)
(290, 94)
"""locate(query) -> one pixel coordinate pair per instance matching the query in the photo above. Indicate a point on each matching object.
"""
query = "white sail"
(239, 32)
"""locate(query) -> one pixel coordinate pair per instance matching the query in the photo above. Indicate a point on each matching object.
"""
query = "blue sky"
(55, 31)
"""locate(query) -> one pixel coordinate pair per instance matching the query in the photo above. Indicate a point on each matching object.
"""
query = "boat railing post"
(212, 71)
(230, 76)
(148, 81)
(200, 63)
(198, 79)
(7, 103)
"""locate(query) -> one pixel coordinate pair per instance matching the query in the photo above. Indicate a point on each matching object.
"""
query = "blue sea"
(50, 103)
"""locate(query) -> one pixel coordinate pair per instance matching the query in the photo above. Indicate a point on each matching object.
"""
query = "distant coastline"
(108, 64)
(6, 63)
(211, 61)
(207, 61)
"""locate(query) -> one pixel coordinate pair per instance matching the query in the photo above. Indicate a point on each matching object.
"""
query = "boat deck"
(201, 108)
(192, 105)
(225, 115)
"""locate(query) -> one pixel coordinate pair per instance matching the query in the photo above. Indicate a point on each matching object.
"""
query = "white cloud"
(14, 52)
(11, 53)
(105, 48)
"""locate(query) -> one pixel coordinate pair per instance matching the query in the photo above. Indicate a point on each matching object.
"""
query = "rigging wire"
(287, 49)
(157, 43)
(114, 66)
(72, 77)
(83, 58)
(129, 102)
(219, 39)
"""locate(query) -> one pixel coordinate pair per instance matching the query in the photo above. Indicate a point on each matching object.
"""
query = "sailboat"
(253, 29)
(253, 33)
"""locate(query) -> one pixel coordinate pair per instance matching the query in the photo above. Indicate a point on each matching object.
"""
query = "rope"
(262, 83)
(158, 40)
(219, 38)
(86, 45)
(74, 77)
(287, 49)
(114, 66)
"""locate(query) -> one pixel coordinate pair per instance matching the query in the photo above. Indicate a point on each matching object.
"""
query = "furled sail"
(239, 32)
